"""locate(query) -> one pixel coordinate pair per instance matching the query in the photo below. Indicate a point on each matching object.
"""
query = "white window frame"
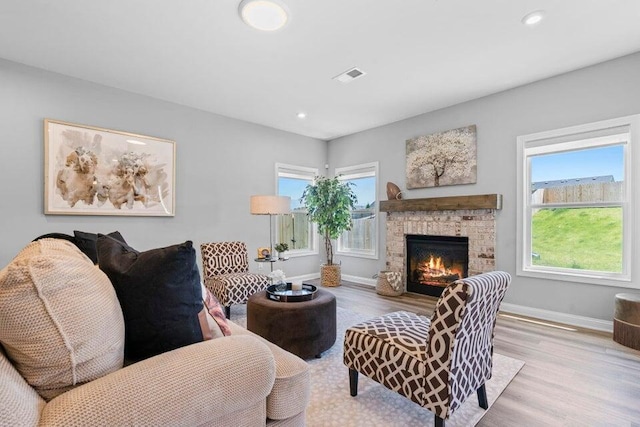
(298, 172)
(621, 131)
(361, 171)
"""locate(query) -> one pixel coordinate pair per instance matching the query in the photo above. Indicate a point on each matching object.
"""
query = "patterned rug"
(331, 404)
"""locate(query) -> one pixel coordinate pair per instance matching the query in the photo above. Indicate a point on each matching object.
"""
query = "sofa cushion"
(160, 294)
(87, 242)
(60, 321)
(291, 390)
(20, 405)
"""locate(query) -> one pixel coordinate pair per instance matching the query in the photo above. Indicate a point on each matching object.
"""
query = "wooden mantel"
(480, 201)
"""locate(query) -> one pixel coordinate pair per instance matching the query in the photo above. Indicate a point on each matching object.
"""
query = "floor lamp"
(270, 205)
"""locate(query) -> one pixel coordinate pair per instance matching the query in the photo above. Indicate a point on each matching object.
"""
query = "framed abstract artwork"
(443, 158)
(95, 171)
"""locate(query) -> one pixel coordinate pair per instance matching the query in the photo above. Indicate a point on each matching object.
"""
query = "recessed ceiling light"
(532, 19)
(301, 115)
(264, 15)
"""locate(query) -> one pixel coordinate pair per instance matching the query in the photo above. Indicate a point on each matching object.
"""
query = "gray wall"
(600, 92)
(220, 163)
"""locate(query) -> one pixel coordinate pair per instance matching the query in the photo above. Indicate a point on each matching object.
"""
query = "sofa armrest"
(20, 405)
(187, 386)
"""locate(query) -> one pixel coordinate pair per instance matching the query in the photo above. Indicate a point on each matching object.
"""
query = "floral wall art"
(444, 158)
(95, 171)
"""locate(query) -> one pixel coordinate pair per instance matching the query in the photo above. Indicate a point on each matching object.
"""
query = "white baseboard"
(538, 313)
(558, 317)
(357, 279)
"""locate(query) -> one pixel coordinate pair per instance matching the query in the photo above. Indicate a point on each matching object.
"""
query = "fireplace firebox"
(435, 261)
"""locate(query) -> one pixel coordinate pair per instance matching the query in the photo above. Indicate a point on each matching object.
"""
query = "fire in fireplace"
(435, 261)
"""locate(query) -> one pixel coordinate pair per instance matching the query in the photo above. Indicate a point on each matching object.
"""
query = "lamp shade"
(270, 205)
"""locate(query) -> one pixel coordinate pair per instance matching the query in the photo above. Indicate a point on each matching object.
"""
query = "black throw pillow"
(159, 292)
(87, 243)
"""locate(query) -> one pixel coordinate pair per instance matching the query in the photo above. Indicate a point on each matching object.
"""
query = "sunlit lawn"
(581, 238)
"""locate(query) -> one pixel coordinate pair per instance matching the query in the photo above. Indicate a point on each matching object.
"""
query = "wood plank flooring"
(571, 378)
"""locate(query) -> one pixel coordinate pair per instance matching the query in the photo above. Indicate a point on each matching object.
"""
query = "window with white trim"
(295, 229)
(362, 239)
(575, 203)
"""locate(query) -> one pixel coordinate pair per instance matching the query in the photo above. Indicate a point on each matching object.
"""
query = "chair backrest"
(224, 258)
(460, 350)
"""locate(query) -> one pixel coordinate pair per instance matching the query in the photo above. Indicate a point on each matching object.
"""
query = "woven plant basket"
(330, 275)
(389, 283)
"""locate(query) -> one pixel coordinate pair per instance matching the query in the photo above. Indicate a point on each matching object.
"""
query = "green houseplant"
(282, 248)
(329, 202)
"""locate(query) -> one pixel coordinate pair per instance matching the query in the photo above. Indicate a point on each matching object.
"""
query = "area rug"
(375, 405)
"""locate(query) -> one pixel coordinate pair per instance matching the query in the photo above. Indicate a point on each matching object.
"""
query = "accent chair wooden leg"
(439, 421)
(482, 397)
(227, 311)
(353, 382)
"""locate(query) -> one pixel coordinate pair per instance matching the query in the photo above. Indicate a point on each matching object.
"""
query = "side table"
(626, 320)
(305, 328)
(270, 260)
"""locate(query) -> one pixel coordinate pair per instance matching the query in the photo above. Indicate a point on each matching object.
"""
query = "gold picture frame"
(264, 253)
(95, 171)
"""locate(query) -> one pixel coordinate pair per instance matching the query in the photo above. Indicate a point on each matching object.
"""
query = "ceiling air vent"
(349, 75)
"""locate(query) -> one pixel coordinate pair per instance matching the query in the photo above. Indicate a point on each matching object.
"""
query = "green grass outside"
(579, 238)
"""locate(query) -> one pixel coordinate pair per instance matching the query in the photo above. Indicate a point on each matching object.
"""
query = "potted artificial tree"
(329, 202)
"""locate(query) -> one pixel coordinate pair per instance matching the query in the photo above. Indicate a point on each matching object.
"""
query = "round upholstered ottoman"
(626, 320)
(305, 328)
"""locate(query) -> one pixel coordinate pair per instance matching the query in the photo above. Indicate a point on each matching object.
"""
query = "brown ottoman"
(305, 328)
(626, 320)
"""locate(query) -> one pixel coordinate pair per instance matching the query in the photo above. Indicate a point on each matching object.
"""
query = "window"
(362, 239)
(295, 229)
(575, 203)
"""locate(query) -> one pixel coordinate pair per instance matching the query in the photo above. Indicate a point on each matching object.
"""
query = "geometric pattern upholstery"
(224, 258)
(226, 273)
(439, 362)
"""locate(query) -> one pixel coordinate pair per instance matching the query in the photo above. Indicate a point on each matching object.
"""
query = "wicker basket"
(389, 283)
(330, 275)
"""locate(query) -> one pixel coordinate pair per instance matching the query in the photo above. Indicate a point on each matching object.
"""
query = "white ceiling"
(419, 55)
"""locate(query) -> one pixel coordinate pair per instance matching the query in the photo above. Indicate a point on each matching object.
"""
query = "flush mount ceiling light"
(301, 115)
(264, 15)
(532, 19)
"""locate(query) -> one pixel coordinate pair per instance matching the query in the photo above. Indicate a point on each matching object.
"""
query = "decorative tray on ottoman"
(284, 293)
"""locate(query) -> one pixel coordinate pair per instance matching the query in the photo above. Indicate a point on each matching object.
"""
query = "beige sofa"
(241, 381)
(237, 380)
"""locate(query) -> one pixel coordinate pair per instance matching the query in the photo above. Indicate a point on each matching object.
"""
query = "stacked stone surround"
(478, 225)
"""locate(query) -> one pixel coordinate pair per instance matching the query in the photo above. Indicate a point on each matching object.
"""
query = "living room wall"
(604, 91)
(220, 162)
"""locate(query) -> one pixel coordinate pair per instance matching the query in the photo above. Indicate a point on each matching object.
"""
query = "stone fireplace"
(470, 217)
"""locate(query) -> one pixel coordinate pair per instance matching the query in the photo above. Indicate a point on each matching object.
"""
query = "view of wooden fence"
(596, 192)
(360, 237)
(293, 230)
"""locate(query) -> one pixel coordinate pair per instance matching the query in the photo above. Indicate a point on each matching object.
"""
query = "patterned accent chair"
(436, 363)
(226, 273)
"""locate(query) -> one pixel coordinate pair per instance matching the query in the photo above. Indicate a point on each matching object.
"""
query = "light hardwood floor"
(570, 378)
